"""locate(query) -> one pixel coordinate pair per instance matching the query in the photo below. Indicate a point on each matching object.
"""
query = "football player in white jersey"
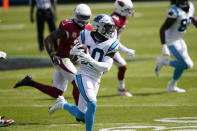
(102, 44)
(179, 16)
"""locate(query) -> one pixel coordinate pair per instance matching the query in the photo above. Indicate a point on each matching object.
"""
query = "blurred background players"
(68, 31)
(4, 122)
(122, 10)
(102, 44)
(44, 14)
(179, 16)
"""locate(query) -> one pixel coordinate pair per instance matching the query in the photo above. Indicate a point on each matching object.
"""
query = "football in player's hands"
(81, 47)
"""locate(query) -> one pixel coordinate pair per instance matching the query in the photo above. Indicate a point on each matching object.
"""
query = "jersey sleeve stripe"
(81, 87)
(113, 46)
(82, 36)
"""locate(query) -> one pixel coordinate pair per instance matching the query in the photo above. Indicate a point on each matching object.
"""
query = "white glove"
(3, 55)
(85, 57)
(165, 50)
(75, 50)
(130, 52)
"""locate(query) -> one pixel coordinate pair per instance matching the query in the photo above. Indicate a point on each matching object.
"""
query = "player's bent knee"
(92, 105)
(190, 65)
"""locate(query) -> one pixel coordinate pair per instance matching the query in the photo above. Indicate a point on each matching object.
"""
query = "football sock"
(51, 91)
(73, 110)
(89, 116)
(121, 84)
(173, 83)
(121, 72)
(75, 92)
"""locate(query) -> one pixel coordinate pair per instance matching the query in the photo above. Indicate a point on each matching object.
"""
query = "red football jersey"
(120, 21)
(72, 32)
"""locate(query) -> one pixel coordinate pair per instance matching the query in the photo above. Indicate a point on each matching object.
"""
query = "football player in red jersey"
(68, 31)
(122, 10)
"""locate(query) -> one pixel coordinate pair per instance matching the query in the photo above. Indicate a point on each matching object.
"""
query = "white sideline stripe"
(12, 27)
(130, 105)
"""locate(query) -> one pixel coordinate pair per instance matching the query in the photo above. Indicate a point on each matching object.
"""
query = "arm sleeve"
(173, 12)
(102, 66)
(122, 48)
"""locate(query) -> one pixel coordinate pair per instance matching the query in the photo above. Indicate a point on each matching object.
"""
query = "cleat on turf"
(58, 105)
(80, 120)
(24, 82)
(171, 88)
(124, 92)
(4, 122)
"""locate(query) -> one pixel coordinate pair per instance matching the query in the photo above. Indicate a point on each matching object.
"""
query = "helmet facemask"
(182, 3)
(104, 25)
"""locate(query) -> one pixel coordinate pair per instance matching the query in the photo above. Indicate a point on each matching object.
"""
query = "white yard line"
(12, 27)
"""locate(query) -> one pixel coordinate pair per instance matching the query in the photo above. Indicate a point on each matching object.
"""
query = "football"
(74, 59)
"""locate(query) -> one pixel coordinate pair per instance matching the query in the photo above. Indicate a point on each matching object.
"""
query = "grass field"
(150, 108)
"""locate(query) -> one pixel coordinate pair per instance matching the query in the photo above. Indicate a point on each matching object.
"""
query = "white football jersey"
(97, 51)
(177, 30)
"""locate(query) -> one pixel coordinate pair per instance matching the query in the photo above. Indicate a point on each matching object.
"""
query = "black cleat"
(80, 120)
(24, 82)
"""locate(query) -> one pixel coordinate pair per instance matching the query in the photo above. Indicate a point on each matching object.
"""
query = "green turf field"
(150, 108)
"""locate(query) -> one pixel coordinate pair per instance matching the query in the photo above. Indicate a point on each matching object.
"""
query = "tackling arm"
(49, 41)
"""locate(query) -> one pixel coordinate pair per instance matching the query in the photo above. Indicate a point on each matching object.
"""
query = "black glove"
(55, 59)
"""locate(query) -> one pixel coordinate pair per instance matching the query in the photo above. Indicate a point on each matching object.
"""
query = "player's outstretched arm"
(127, 51)
(49, 41)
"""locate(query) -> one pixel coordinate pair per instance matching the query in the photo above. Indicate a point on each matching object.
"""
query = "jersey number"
(97, 51)
(184, 24)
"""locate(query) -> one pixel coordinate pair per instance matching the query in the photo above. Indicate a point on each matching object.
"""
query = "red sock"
(51, 91)
(75, 92)
(121, 72)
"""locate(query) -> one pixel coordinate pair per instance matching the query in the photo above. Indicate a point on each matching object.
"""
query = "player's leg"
(182, 62)
(4, 122)
(68, 70)
(88, 88)
(52, 91)
(40, 29)
(121, 65)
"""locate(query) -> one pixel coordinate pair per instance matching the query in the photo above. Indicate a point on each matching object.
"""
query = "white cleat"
(58, 105)
(174, 89)
(159, 64)
(123, 92)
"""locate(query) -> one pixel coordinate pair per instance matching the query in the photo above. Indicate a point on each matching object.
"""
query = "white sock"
(166, 62)
(173, 83)
(121, 84)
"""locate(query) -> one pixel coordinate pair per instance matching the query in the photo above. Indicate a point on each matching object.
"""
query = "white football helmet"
(124, 7)
(82, 14)
(104, 25)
